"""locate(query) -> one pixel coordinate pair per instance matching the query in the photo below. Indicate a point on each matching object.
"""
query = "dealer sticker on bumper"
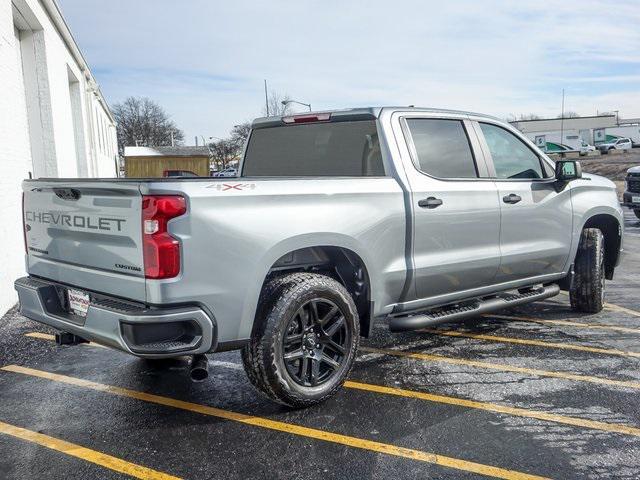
(78, 302)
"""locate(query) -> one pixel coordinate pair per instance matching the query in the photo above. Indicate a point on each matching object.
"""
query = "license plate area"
(635, 199)
(78, 302)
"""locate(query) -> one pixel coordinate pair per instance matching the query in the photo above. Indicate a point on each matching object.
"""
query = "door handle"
(430, 202)
(511, 198)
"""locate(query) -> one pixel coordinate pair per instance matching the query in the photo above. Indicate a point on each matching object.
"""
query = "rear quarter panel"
(235, 231)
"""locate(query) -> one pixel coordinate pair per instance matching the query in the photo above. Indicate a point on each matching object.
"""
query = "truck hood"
(634, 169)
(599, 181)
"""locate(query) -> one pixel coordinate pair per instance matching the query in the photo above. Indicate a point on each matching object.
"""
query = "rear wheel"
(305, 342)
(587, 289)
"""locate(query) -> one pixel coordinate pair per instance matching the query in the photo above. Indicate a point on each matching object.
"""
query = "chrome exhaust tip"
(199, 370)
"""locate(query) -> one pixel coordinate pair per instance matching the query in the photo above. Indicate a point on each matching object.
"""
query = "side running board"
(471, 309)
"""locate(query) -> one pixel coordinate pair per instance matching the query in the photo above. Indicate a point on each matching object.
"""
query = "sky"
(205, 61)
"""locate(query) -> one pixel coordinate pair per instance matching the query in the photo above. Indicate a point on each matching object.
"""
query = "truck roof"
(362, 113)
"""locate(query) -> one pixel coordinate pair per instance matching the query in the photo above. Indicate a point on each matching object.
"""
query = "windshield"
(349, 149)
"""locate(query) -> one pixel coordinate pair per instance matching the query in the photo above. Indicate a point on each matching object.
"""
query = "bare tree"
(276, 106)
(240, 133)
(568, 115)
(142, 122)
(224, 152)
(529, 116)
(512, 117)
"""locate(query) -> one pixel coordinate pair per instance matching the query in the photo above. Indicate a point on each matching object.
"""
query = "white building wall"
(15, 157)
(49, 103)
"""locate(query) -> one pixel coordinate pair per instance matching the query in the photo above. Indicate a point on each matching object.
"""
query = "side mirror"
(567, 170)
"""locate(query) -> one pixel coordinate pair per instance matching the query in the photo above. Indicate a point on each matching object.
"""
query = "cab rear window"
(334, 149)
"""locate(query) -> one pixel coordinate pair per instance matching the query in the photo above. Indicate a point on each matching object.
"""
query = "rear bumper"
(130, 327)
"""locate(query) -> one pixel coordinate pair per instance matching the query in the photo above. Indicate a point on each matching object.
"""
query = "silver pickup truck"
(406, 217)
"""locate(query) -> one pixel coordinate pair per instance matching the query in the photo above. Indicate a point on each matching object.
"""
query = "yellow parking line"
(614, 307)
(71, 449)
(568, 323)
(299, 430)
(537, 343)
(617, 428)
(52, 338)
(470, 363)
(618, 308)
(503, 367)
(492, 407)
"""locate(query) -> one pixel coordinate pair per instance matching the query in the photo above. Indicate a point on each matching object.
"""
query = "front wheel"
(637, 212)
(587, 289)
(305, 340)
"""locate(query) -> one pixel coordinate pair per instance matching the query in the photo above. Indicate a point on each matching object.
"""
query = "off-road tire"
(637, 212)
(587, 290)
(272, 285)
(263, 357)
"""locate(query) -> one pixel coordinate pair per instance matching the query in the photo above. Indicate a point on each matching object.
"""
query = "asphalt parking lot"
(537, 391)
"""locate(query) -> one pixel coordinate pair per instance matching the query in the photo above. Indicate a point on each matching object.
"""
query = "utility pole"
(266, 97)
(562, 120)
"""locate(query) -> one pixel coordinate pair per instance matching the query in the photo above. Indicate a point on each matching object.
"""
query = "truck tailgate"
(87, 234)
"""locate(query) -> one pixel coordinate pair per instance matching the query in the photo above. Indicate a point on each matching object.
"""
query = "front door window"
(512, 159)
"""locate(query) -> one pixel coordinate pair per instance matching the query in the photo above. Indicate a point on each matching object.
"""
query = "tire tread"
(586, 290)
(257, 356)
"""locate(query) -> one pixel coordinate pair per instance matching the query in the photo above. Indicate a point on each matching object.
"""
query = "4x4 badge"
(232, 186)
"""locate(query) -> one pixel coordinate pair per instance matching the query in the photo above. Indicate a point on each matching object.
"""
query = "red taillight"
(161, 251)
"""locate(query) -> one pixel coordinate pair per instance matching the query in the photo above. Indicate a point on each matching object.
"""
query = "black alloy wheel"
(316, 342)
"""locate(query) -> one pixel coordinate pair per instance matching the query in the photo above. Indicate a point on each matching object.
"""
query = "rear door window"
(442, 148)
(512, 159)
(350, 148)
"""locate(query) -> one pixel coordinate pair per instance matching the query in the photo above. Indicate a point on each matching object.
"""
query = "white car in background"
(618, 144)
(227, 172)
(585, 148)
